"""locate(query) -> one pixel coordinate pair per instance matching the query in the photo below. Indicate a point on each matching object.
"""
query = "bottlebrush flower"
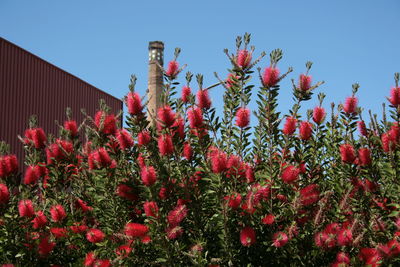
(83, 205)
(364, 156)
(304, 82)
(290, 174)
(243, 58)
(174, 232)
(125, 139)
(4, 194)
(78, 228)
(203, 100)
(36, 136)
(342, 257)
(58, 232)
(229, 82)
(166, 116)
(59, 150)
(268, 219)
(99, 159)
(57, 213)
(178, 127)
(247, 236)
(172, 70)
(39, 221)
(347, 153)
(71, 127)
(319, 115)
(25, 208)
(362, 128)
(151, 209)
(243, 117)
(186, 92)
(370, 256)
(45, 246)
(177, 215)
(279, 239)
(8, 165)
(123, 251)
(388, 142)
(344, 237)
(106, 124)
(290, 126)
(144, 138)
(309, 194)
(33, 174)
(350, 105)
(126, 192)
(136, 230)
(165, 145)
(218, 161)
(95, 235)
(102, 263)
(195, 116)
(134, 103)
(305, 130)
(187, 151)
(395, 96)
(234, 200)
(89, 259)
(270, 77)
(148, 175)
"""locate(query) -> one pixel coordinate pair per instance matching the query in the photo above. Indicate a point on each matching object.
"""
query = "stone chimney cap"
(156, 45)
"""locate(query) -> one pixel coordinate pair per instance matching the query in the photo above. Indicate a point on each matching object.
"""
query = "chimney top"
(156, 45)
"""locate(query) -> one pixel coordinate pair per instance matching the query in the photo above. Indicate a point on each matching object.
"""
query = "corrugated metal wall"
(29, 85)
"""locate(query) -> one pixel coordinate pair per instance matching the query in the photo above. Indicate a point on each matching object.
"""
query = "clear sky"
(103, 42)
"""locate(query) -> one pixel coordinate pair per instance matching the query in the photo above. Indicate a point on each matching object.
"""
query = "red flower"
(166, 116)
(136, 230)
(95, 235)
(290, 126)
(99, 159)
(395, 96)
(195, 116)
(148, 175)
(187, 151)
(125, 139)
(173, 69)
(59, 232)
(126, 192)
(45, 247)
(279, 239)
(234, 200)
(364, 156)
(33, 174)
(247, 236)
(304, 82)
(102, 263)
(59, 150)
(106, 124)
(83, 205)
(309, 194)
(57, 213)
(4, 194)
(25, 208)
(230, 80)
(177, 215)
(186, 92)
(144, 138)
(77, 228)
(344, 237)
(370, 256)
(350, 105)
(123, 251)
(134, 103)
(165, 145)
(270, 77)
(243, 117)
(305, 130)
(243, 58)
(89, 259)
(8, 165)
(71, 127)
(343, 257)
(218, 160)
(36, 136)
(174, 232)
(362, 128)
(347, 153)
(319, 115)
(151, 209)
(203, 100)
(268, 219)
(39, 221)
(290, 174)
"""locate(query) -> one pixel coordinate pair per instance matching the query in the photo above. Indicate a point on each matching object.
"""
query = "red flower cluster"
(270, 77)
(243, 58)
(106, 124)
(134, 104)
(35, 137)
(8, 165)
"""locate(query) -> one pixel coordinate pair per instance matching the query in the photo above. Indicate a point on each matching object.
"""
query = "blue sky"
(103, 42)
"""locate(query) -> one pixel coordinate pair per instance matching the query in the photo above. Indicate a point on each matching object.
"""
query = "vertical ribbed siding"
(30, 85)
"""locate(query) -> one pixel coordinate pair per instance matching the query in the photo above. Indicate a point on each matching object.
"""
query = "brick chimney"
(155, 83)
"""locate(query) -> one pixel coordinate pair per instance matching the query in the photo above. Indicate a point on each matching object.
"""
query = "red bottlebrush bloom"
(270, 77)
(78, 228)
(148, 175)
(83, 205)
(45, 247)
(173, 69)
(166, 116)
(247, 236)
(290, 126)
(218, 161)
(187, 151)
(350, 105)
(364, 156)
(95, 235)
(304, 82)
(25, 208)
(309, 194)
(8, 165)
(394, 247)
(151, 209)
(126, 192)
(268, 219)
(123, 251)
(347, 153)
(195, 116)
(279, 239)
(344, 237)
(319, 115)
(102, 263)
(144, 138)
(234, 200)
(290, 174)
(165, 145)
(125, 139)
(32, 174)
(71, 127)
(179, 127)
(249, 174)
(36, 136)
(243, 58)
(57, 213)
(89, 259)
(230, 80)
(305, 130)
(59, 232)
(59, 150)
(243, 117)
(174, 232)
(4, 194)
(362, 128)
(203, 100)
(388, 142)
(177, 215)
(186, 92)
(134, 103)
(395, 96)
(343, 257)
(39, 221)
(370, 256)
(136, 230)
(106, 124)
(99, 159)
